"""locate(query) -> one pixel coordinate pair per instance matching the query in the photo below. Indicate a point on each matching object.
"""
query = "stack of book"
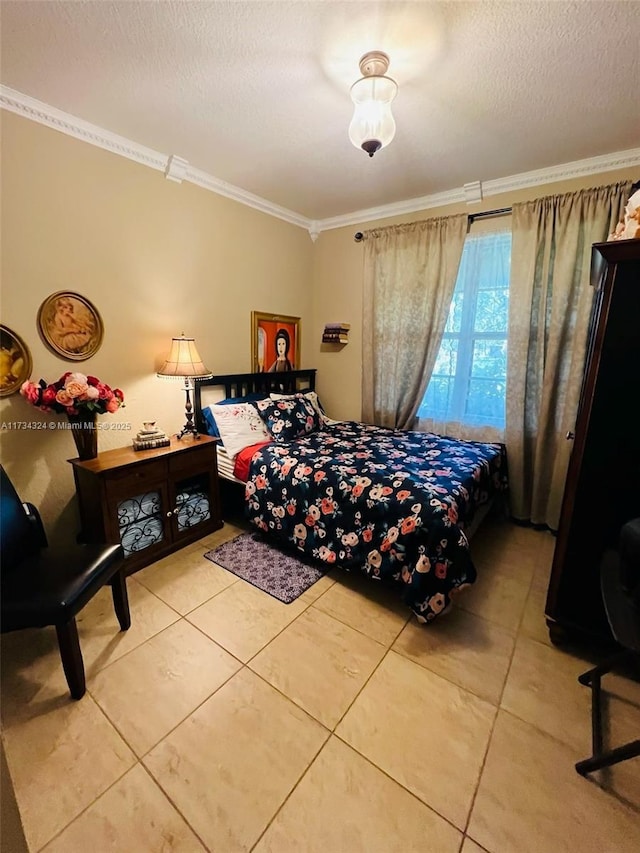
(150, 437)
(336, 333)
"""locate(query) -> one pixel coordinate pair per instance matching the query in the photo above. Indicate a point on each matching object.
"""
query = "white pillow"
(240, 425)
(312, 397)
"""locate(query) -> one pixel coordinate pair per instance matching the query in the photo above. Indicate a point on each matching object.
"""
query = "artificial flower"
(73, 394)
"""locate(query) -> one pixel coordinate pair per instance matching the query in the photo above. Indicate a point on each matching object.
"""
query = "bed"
(393, 504)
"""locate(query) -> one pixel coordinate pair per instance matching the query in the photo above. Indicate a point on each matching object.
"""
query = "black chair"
(42, 587)
(620, 582)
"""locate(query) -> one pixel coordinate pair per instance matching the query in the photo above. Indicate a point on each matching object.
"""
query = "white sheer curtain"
(550, 306)
(466, 394)
(409, 276)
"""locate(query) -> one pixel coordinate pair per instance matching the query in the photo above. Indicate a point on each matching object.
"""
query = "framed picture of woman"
(275, 342)
(15, 362)
(70, 325)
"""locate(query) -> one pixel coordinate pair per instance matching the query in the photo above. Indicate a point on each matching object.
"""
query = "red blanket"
(243, 460)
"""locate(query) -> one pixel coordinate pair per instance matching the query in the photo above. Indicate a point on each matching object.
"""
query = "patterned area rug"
(280, 573)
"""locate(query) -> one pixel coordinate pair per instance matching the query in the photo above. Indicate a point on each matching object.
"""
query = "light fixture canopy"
(184, 362)
(372, 126)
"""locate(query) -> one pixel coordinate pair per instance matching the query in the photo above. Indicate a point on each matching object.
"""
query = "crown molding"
(208, 182)
(563, 172)
(175, 168)
(538, 177)
(398, 208)
(35, 110)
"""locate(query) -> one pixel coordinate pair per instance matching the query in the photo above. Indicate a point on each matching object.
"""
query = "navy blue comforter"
(393, 504)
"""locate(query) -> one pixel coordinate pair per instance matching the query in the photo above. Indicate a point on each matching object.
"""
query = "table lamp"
(184, 362)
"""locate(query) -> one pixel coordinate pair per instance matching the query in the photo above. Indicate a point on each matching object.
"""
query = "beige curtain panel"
(409, 277)
(549, 309)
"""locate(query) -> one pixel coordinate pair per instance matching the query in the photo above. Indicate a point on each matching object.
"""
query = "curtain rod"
(485, 214)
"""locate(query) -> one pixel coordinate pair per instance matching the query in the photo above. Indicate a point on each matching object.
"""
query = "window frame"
(467, 338)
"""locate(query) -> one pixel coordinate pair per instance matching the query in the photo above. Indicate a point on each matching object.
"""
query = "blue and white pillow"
(289, 418)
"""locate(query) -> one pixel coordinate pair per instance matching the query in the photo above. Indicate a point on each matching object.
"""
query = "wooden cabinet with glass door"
(152, 501)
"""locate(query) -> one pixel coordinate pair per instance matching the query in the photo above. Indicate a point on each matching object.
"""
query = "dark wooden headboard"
(241, 384)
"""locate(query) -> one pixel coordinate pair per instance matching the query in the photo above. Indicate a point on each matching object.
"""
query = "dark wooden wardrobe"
(602, 489)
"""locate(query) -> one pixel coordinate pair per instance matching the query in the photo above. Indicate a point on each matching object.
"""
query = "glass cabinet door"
(192, 502)
(141, 521)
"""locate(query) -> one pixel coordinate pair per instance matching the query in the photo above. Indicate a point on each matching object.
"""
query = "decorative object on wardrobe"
(336, 333)
(70, 325)
(629, 226)
(372, 126)
(15, 362)
(601, 490)
(184, 362)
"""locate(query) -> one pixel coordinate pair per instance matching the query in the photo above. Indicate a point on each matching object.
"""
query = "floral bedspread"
(393, 504)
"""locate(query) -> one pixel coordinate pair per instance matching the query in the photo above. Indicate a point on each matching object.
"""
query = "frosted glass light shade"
(372, 126)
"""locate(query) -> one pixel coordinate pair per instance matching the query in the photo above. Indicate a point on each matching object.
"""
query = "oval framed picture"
(15, 362)
(70, 325)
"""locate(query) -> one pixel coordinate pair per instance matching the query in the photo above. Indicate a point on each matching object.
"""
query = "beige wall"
(337, 287)
(156, 258)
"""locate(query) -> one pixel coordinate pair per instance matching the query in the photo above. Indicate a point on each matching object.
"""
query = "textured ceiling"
(257, 93)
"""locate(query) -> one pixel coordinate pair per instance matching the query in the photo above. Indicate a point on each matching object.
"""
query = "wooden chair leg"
(71, 657)
(121, 599)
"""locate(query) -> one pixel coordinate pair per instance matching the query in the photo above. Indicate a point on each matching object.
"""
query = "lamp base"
(189, 426)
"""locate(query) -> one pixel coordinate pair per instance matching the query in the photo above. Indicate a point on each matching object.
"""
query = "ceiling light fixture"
(372, 126)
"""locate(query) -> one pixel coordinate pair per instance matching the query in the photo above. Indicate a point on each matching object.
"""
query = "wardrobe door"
(602, 490)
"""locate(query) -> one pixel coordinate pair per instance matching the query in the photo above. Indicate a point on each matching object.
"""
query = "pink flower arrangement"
(73, 394)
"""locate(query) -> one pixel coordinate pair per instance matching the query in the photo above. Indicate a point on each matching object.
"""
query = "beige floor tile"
(345, 805)
(542, 574)
(31, 675)
(425, 732)
(132, 815)
(318, 589)
(101, 639)
(244, 619)
(185, 580)
(621, 724)
(229, 767)
(463, 648)
(531, 799)
(512, 550)
(367, 606)
(228, 531)
(533, 620)
(496, 596)
(320, 664)
(470, 846)
(60, 761)
(148, 692)
(543, 689)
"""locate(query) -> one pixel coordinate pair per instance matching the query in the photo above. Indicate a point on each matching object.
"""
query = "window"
(469, 379)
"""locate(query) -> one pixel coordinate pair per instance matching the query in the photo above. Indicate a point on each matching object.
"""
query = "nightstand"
(152, 501)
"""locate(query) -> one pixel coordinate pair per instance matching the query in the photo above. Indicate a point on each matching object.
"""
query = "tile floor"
(226, 721)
